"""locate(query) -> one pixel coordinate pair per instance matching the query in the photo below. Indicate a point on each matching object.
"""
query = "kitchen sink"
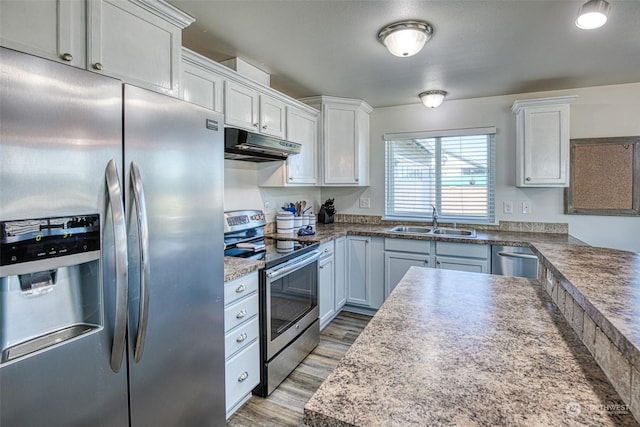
(440, 231)
(410, 229)
(454, 232)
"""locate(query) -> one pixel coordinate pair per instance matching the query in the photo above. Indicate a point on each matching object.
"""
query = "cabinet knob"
(243, 376)
(255, 125)
(67, 57)
(356, 179)
(290, 178)
(322, 267)
(240, 289)
(264, 127)
(528, 178)
(437, 262)
(98, 66)
(241, 314)
(241, 337)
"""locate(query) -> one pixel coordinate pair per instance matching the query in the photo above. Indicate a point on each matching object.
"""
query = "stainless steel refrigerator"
(111, 281)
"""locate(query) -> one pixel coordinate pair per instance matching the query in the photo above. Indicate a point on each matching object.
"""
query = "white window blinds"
(451, 170)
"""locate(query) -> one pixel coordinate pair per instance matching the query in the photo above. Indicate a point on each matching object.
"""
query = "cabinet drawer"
(240, 337)
(407, 245)
(242, 374)
(241, 287)
(240, 312)
(470, 250)
(326, 249)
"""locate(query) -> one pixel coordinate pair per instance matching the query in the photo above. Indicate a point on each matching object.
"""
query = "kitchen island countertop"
(455, 348)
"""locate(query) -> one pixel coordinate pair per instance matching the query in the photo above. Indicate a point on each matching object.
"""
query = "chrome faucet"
(435, 216)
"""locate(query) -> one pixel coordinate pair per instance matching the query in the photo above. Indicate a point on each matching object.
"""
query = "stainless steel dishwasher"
(514, 261)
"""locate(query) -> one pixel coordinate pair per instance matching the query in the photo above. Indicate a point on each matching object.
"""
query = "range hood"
(240, 144)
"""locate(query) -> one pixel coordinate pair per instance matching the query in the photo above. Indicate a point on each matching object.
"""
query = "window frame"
(490, 132)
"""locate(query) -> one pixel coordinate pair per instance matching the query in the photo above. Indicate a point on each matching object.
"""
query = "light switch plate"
(365, 202)
(267, 207)
(525, 208)
(507, 207)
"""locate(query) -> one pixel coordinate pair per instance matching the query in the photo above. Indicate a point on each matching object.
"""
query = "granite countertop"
(238, 267)
(606, 284)
(234, 268)
(327, 232)
(456, 348)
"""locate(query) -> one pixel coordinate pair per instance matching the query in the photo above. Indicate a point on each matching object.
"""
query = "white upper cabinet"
(542, 141)
(245, 107)
(272, 116)
(133, 40)
(302, 127)
(201, 84)
(241, 106)
(344, 140)
(136, 42)
(298, 169)
(51, 29)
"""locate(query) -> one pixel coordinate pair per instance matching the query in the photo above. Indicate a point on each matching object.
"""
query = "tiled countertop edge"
(618, 358)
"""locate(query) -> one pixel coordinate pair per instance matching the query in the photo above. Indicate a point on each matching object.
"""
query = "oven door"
(291, 300)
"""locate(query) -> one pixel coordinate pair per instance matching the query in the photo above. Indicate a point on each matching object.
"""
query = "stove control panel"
(243, 220)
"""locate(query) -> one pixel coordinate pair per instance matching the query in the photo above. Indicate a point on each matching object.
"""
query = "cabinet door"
(325, 290)
(340, 153)
(340, 285)
(302, 128)
(51, 29)
(132, 44)
(396, 265)
(241, 106)
(272, 116)
(359, 271)
(201, 87)
(462, 264)
(545, 146)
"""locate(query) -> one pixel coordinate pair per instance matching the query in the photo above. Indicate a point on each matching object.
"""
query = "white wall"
(241, 190)
(598, 112)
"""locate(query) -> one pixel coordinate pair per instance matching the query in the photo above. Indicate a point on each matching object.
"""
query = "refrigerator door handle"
(143, 244)
(114, 191)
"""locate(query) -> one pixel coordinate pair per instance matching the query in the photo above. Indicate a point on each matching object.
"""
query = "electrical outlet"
(267, 207)
(507, 207)
(365, 202)
(525, 208)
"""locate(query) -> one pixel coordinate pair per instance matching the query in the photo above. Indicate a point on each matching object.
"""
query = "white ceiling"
(479, 47)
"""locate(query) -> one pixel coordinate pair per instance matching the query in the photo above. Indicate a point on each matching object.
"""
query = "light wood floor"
(284, 407)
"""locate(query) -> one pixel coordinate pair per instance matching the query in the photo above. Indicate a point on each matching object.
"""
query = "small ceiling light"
(405, 38)
(432, 98)
(593, 14)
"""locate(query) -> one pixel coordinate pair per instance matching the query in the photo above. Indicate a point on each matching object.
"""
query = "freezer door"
(174, 179)
(60, 127)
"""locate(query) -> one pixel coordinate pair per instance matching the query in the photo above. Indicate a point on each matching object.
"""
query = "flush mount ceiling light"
(593, 14)
(405, 38)
(432, 98)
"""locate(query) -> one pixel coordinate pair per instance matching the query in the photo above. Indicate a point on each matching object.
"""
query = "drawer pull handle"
(67, 57)
(241, 337)
(240, 289)
(243, 376)
(241, 314)
(98, 66)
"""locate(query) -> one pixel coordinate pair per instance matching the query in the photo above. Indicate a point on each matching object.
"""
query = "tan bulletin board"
(605, 177)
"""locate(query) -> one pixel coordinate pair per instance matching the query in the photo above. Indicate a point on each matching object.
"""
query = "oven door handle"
(276, 273)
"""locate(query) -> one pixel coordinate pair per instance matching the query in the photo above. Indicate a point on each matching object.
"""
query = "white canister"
(312, 222)
(284, 246)
(297, 223)
(284, 223)
(305, 220)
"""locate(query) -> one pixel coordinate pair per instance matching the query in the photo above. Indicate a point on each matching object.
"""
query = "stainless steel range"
(289, 325)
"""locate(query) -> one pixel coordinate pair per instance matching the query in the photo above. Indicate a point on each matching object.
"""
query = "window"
(453, 170)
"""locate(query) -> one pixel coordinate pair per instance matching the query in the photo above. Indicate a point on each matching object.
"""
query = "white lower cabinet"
(340, 284)
(365, 256)
(399, 256)
(463, 257)
(242, 346)
(326, 284)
